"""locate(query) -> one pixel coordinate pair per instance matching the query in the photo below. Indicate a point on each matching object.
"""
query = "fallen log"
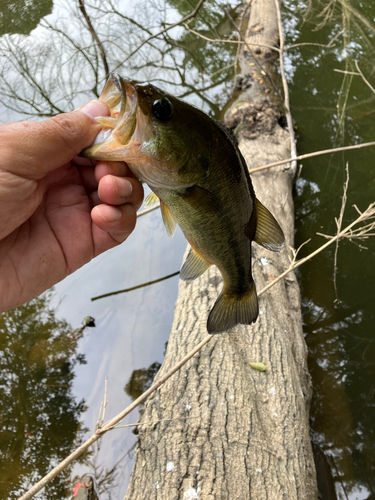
(220, 429)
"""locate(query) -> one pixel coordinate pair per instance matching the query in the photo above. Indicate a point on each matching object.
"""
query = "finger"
(118, 222)
(32, 149)
(87, 174)
(91, 176)
(118, 168)
(95, 200)
(118, 190)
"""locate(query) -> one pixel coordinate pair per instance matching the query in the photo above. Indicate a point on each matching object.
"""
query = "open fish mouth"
(118, 129)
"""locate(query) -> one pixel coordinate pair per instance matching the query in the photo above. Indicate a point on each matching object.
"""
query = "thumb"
(32, 149)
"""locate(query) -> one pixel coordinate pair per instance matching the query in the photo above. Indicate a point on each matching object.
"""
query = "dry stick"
(152, 422)
(310, 155)
(147, 210)
(369, 213)
(339, 225)
(363, 77)
(142, 285)
(241, 42)
(286, 89)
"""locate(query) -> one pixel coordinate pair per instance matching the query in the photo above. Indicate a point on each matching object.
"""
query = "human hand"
(57, 211)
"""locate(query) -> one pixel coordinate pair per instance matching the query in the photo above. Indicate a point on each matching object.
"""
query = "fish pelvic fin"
(231, 309)
(151, 199)
(193, 267)
(168, 219)
(268, 233)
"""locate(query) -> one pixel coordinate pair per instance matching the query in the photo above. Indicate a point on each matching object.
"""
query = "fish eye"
(162, 109)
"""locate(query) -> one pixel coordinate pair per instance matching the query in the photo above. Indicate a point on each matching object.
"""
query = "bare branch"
(82, 8)
(315, 153)
(339, 224)
(136, 287)
(363, 78)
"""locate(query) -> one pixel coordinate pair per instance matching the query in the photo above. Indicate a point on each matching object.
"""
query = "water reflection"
(40, 417)
(326, 105)
(141, 380)
(22, 16)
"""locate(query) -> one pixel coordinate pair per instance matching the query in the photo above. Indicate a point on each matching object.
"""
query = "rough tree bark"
(227, 431)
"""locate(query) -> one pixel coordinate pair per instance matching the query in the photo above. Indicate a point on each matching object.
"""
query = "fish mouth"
(114, 140)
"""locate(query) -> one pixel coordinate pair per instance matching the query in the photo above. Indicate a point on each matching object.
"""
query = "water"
(49, 385)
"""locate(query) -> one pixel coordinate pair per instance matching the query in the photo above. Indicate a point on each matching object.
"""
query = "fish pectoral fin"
(168, 219)
(193, 267)
(231, 309)
(268, 233)
(151, 199)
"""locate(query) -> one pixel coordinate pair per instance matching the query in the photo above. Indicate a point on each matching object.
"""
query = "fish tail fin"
(231, 309)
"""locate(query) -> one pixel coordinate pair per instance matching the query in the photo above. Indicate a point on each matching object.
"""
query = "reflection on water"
(40, 418)
(22, 16)
(141, 380)
(332, 109)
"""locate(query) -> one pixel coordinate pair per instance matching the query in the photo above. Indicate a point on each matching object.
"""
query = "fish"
(196, 170)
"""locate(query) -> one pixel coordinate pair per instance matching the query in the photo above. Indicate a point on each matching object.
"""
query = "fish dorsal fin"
(151, 199)
(168, 219)
(193, 266)
(268, 233)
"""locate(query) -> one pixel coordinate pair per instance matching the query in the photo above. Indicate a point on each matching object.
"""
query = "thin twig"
(240, 42)
(105, 402)
(339, 225)
(363, 77)
(147, 210)
(153, 422)
(310, 155)
(117, 292)
(346, 72)
(288, 114)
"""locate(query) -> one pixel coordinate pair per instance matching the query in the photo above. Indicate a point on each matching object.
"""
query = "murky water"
(53, 379)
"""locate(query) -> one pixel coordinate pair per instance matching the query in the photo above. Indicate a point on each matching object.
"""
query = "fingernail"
(94, 108)
(109, 214)
(126, 188)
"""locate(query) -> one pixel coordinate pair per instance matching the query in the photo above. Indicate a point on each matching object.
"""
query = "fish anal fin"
(268, 233)
(151, 199)
(168, 219)
(232, 309)
(193, 267)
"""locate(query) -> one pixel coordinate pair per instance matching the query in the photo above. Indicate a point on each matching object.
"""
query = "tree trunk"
(221, 429)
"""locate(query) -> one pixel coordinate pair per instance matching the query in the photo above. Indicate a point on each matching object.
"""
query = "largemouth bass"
(196, 170)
